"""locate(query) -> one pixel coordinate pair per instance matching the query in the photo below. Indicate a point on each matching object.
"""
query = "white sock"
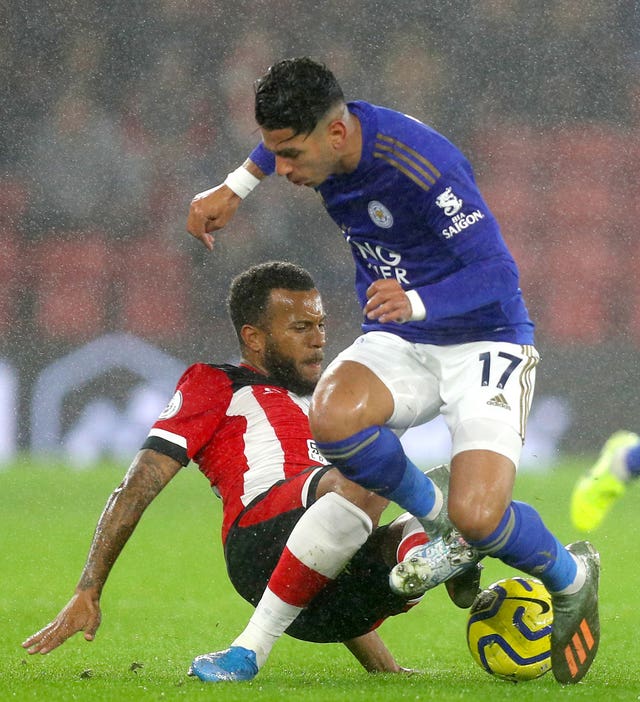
(329, 533)
(323, 541)
(271, 617)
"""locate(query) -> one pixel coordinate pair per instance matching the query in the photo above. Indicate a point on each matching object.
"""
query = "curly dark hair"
(296, 94)
(250, 291)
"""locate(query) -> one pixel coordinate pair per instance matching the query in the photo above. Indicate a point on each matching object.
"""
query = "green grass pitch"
(169, 599)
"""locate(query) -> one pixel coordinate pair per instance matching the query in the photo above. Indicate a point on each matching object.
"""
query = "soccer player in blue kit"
(606, 481)
(445, 331)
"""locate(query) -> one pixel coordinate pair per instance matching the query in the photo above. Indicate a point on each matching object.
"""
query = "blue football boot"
(233, 664)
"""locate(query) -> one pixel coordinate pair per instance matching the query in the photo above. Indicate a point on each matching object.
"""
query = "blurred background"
(113, 115)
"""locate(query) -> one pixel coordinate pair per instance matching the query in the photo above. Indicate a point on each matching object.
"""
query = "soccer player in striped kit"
(445, 329)
(291, 522)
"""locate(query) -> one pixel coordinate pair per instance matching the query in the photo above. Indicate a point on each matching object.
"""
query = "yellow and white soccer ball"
(509, 629)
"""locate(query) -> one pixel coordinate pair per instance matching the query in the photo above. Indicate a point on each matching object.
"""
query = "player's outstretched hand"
(210, 211)
(387, 301)
(82, 613)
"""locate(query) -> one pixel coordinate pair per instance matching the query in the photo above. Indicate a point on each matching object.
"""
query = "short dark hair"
(250, 291)
(296, 94)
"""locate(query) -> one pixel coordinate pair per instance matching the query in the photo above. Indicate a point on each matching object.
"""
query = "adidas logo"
(499, 401)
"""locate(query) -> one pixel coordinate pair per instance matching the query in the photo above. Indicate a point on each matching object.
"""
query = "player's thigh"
(487, 388)
(409, 380)
(257, 538)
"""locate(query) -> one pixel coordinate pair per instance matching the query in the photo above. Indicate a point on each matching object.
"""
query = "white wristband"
(418, 310)
(241, 182)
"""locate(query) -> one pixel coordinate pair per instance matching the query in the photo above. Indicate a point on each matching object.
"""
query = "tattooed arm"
(149, 473)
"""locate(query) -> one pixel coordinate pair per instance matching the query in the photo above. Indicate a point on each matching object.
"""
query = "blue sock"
(415, 492)
(632, 461)
(375, 459)
(524, 542)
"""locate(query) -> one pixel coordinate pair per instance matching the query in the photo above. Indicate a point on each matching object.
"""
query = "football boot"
(447, 559)
(235, 664)
(576, 624)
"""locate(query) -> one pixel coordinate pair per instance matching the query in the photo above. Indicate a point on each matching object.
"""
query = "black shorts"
(352, 605)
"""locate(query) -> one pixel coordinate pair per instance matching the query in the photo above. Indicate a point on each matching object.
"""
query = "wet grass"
(169, 599)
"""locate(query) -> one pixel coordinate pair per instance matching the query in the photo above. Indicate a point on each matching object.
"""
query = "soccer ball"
(509, 629)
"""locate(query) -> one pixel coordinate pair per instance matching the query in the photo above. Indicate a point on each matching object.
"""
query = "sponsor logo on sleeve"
(461, 222)
(449, 202)
(451, 205)
(175, 403)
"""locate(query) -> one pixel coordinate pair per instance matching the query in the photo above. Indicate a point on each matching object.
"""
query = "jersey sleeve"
(264, 159)
(486, 272)
(193, 414)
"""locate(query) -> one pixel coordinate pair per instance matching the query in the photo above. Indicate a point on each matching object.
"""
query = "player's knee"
(370, 503)
(331, 420)
(347, 400)
(320, 423)
(475, 521)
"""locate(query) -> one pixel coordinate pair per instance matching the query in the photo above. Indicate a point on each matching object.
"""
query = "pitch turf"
(168, 599)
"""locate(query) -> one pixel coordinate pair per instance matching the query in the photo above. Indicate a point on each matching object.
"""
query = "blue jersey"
(412, 211)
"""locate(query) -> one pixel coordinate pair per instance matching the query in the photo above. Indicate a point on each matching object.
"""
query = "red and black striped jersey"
(243, 430)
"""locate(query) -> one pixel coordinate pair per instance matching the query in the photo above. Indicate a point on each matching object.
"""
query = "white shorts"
(483, 389)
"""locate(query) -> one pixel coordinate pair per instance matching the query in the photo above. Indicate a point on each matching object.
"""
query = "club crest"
(380, 215)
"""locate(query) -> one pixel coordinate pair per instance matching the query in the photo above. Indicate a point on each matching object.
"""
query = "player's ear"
(253, 338)
(337, 132)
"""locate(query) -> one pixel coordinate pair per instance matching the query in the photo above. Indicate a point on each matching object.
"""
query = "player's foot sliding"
(234, 664)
